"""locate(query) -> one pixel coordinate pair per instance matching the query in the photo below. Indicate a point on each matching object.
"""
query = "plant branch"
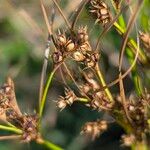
(13, 129)
(48, 83)
(101, 78)
(49, 145)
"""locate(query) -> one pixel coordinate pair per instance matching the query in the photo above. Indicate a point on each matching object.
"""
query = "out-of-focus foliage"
(23, 36)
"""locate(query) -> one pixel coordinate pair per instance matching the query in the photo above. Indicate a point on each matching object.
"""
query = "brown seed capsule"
(69, 45)
(82, 34)
(61, 104)
(92, 60)
(85, 47)
(94, 128)
(57, 57)
(68, 99)
(78, 56)
(61, 39)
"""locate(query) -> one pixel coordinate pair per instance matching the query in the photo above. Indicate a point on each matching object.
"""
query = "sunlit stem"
(101, 78)
(81, 99)
(13, 129)
(48, 83)
(49, 145)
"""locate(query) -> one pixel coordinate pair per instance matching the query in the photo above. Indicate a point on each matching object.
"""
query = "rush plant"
(72, 44)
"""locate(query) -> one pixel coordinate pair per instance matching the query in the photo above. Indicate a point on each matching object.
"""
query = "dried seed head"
(101, 102)
(29, 126)
(61, 103)
(70, 96)
(78, 56)
(101, 10)
(94, 129)
(82, 34)
(69, 45)
(92, 60)
(61, 38)
(128, 140)
(85, 47)
(68, 99)
(8, 99)
(85, 88)
(57, 57)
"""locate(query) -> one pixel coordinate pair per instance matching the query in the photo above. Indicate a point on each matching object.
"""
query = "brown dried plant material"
(57, 57)
(11, 113)
(78, 56)
(128, 140)
(137, 112)
(100, 102)
(94, 129)
(61, 39)
(117, 4)
(8, 99)
(29, 126)
(68, 99)
(145, 38)
(69, 45)
(92, 59)
(82, 34)
(100, 9)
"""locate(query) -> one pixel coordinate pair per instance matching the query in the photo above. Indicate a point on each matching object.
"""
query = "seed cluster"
(94, 129)
(128, 140)
(76, 46)
(8, 99)
(138, 110)
(100, 102)
(68, 99)
(101, 11)
(10, 112)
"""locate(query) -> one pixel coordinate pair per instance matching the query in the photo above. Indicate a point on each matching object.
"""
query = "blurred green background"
(23, 37)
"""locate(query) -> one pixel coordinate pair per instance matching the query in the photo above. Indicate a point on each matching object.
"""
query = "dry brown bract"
(68, 99)
(101, 11)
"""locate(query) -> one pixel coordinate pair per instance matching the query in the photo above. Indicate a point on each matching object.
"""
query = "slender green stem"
(6, 128)
(81, 99)
(50, 145)
(101, 78)
(42, 103)
(48, 83)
